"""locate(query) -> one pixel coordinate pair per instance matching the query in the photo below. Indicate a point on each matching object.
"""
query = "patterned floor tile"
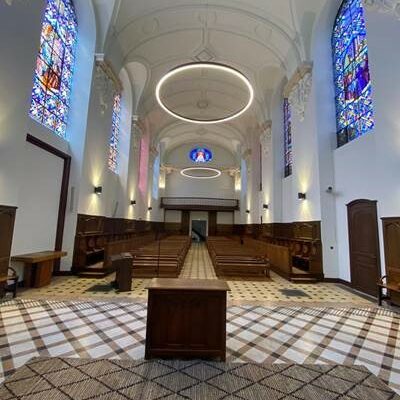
(306, 335)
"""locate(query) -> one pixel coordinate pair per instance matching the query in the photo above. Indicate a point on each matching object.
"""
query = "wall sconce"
(133, 202)
(301, 196)
(98, 189)
(248, 211)
(265, 206)
(150, 208)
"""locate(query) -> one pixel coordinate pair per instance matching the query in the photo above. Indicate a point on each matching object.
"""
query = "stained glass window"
(54, 66)
(354, 108)
(287, 126)
(201, 155)
(115, 130)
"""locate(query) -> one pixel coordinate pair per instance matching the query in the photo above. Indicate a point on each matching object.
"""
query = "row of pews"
(232, 258)
(161, 258)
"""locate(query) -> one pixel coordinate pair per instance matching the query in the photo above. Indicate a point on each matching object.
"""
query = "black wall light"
(98, 189)
(248, 211)
(301, 196)
(133, 202)
(150, 208)
(265, 206)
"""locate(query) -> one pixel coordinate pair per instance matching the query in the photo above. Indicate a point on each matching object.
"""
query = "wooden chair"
(12, 282)
(389, 286)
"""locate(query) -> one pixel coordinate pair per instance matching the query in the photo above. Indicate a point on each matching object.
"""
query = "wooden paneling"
(391, 236)
(7, 219)
(303, 241)
(94, 233)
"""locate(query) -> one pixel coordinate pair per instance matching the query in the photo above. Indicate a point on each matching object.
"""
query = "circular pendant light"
(201, 173)
(202, 104)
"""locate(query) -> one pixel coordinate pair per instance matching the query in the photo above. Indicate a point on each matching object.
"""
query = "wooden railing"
(199, 204)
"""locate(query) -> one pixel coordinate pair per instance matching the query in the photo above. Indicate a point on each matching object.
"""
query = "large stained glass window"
(354, 108)
(287, 127)
(54, 66)
(115, 131)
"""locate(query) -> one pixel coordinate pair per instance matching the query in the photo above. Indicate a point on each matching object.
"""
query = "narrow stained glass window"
(54, 66)
(287, 126)
(354, 108)
(115, 131)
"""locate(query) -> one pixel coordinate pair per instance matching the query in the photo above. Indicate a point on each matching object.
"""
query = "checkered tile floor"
(369, 337)
(198, 265)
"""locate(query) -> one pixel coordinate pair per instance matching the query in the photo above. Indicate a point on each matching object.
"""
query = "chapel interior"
(198, 199)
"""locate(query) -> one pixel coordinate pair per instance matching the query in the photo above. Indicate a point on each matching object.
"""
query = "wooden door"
(364, 246)
(212, 223)
(185, 224)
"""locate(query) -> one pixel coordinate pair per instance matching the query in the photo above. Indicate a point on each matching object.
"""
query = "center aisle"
(198, 263)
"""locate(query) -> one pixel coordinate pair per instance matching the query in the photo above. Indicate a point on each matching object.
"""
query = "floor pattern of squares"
(198, 265)
(303, 335)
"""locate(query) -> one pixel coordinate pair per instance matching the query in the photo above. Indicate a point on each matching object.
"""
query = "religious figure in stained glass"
(54, 66)
(201, 155)
(115, 131)
(354, 108)
(287, 127)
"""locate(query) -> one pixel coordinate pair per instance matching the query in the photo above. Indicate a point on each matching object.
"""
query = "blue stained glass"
(115, 132)
(54, 67)
(354, 106)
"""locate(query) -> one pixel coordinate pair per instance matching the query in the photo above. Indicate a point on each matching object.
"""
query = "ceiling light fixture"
(204, 65)
(187, 173)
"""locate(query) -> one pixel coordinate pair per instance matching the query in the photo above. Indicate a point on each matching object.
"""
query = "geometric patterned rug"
(80, 379)
(261, 335)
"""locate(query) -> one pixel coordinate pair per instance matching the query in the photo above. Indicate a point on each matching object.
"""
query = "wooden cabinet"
(7, 219)
(391, 237)
(186, 318)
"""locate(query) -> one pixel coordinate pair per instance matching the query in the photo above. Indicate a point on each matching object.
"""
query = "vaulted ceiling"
(264, 39)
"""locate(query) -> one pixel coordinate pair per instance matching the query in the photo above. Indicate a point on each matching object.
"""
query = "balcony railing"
(199, 204)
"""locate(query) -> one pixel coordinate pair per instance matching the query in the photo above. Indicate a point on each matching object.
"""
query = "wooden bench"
(161, 259)
(231, 259)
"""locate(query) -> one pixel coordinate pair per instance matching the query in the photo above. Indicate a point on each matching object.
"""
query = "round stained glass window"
(201, 155)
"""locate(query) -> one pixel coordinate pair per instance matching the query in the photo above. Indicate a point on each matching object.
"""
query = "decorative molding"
(136, 132)
(266, 137)
(298, 89)
(108, 70)
(104, 88)
(384, 6)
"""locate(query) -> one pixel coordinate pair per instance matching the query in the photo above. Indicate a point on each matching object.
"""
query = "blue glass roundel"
(201, 155)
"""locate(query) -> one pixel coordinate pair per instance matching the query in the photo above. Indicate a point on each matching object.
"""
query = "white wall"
(177, 185)
(367, 167)
(19, 46)
(36, 220)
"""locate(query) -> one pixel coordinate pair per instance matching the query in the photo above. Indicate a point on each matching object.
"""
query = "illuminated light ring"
(197, 65)
(184, 172)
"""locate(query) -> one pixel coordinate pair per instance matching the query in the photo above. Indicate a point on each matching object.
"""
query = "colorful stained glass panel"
(287, 126)
(354, 105)
(115, 133)
(54, 66)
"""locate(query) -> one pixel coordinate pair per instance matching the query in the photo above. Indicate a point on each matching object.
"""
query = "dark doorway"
(364, 246)
(199, 230)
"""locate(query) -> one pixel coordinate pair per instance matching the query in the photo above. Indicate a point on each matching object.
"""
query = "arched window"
(115, 130)
(54, 66)
(354, 108)
(287, 128)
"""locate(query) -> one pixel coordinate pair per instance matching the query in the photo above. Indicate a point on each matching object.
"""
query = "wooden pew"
(231, 259)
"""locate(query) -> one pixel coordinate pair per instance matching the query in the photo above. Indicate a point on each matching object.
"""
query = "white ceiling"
(264, 39)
